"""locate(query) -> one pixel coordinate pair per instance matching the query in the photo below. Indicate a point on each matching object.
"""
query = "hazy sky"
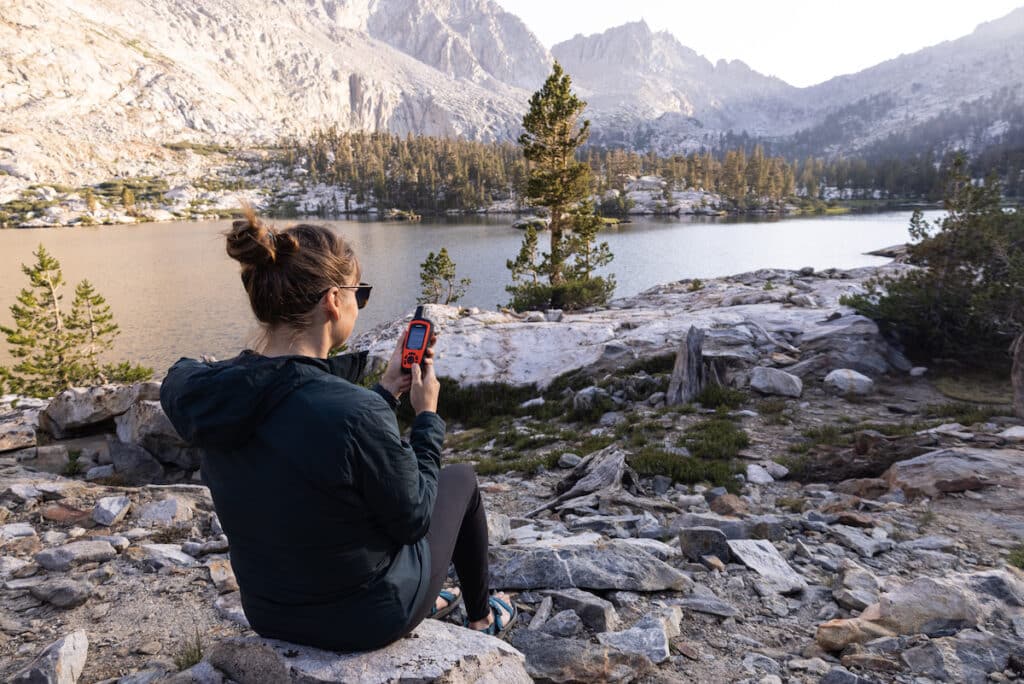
(801, 41)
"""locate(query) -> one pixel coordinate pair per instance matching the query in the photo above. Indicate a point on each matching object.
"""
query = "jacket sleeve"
(398, 479)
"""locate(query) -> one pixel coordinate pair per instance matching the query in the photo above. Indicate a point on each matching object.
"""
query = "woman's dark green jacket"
(324, 505)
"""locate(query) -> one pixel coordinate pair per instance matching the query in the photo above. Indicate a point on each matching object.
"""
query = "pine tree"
(525, 264)
(437, 279)
(94, 325)
(589, 255)
(557, 181)
(40, 337)
(58, 351)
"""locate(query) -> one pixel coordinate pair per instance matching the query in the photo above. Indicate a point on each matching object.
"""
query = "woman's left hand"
(394, 380)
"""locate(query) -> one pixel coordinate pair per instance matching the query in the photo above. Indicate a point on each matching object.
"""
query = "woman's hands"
(398, 383)
(425, 387)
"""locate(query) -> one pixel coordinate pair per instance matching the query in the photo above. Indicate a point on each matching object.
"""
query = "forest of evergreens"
(436, 175)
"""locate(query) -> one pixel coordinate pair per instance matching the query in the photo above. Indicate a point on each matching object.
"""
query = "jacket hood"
(221, 404)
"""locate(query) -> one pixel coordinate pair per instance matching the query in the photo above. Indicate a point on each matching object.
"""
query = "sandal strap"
(497, 605)
(447, 596)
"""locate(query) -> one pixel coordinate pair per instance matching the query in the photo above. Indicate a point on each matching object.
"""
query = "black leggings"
(458, 534)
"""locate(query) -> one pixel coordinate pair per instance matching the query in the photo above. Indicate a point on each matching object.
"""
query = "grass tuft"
(651, 460)
(715, 438)
(721, 397)
(190, 652)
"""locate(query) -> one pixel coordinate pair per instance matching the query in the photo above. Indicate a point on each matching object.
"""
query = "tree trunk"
(688, 373)
(1017, 376)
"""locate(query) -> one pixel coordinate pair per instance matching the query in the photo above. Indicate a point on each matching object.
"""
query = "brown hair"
(284, 270)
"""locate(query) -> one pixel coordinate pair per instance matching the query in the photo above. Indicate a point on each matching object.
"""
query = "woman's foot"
(442, 602)
(496, 609)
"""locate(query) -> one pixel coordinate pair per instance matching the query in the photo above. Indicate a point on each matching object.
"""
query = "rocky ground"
(827, 515)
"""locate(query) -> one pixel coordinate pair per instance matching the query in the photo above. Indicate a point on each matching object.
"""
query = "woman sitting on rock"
(341, 533)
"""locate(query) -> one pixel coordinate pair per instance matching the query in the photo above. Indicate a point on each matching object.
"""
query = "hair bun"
(252, 243)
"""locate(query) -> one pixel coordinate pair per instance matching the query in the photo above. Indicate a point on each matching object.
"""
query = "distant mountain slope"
(89, 87)
(93, 88)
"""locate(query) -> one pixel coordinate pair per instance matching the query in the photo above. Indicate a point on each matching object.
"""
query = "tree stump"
(688, 375)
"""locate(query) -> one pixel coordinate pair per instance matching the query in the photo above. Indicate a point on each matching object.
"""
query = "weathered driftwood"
(602, 471)
(688, 376)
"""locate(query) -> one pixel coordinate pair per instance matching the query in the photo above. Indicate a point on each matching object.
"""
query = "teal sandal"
(453, 602)
(498, 628)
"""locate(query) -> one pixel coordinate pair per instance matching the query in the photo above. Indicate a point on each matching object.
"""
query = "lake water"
(174, 291)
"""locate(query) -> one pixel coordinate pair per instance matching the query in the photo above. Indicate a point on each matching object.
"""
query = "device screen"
(416, 335)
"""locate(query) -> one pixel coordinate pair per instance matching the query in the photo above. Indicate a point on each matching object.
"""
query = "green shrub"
(966, 414)
(715, 438)
(474, 405)
(964, 303)
(568, 296)
(523, 464)
(1016, 557)
(652, 460)
(825, 434)
(721, 397)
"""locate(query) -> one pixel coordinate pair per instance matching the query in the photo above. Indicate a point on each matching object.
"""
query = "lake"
(174, 291)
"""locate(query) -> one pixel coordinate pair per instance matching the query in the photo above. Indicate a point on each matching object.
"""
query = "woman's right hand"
(425, 387)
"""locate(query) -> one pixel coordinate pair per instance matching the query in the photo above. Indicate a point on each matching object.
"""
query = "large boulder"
(61, 662)
(775, 381)
(133, 465)
(762, 557)
(847, 382)
(81, 407)
(554, 659)
(435, 651)
(18, 429)
(146, 424)
(613, 565)
(956, 470)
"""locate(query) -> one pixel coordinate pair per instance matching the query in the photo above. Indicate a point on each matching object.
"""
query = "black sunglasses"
(362, 293)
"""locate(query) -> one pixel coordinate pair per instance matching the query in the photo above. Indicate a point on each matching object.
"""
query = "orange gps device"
(417, 340)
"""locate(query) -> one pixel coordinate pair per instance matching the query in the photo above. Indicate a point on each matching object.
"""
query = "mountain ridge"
(95, 88)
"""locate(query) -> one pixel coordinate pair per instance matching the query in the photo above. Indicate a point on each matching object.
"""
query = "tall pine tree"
(562, 184)
(40, 337)
(58, 351)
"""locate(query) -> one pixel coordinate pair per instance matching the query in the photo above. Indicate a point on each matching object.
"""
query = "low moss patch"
(721, 397)
(652, 460)
(966, 414)
(510, 463)
(715, 438)
(1016, 557)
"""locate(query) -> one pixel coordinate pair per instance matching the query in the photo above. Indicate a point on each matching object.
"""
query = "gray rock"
(229, 607)
(957, 469)
(697, 542)
(170, 511)
(614, 565)
(158, 556)
(852, 538)
(62, 592)
(201, 673)
(12, 567)
(18, 431)
(146, 424)
(110, 510)
(101, 472)
(775, 381)
(542, 614)
(134, 465)
(589, 397)
(64, 557)
(197, 549)
(1002, 586)
(706, 604)
(855, 588)
(929, 606)
(733, 528)
(499, 528)
(553, 659)
(968, 657)
(563, 624)
(846, 382)
(918, 371)
(761, 556)
(596, 613)
(758, 475)
(62, 662)
(553, 315)
(649, 637)
(661, 484)
(16, 530)
(435, 651)
(77, 408)
(840, 675)
(929, 543)
(568, 460)
(612, 419)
